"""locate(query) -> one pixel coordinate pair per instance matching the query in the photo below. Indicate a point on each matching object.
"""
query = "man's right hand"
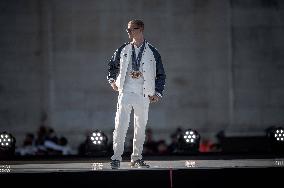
(114, 86)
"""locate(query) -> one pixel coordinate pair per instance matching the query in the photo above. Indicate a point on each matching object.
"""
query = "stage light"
(188, 142)
(279, 134)
(97, 138)
(96, 144)
(276, 134)
(190, 136)
(7, 144)
(276, 137)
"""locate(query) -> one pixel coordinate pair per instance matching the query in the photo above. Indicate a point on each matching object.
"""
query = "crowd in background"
(46, 142)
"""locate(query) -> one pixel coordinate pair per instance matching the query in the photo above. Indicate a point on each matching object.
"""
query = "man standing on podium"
(136, 72)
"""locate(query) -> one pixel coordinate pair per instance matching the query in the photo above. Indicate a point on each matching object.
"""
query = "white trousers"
(140, 105)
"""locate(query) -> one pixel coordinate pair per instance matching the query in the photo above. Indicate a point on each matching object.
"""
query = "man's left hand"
(153, 98)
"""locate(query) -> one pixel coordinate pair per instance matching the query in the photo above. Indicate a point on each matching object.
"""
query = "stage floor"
(47, 166)
(186, 171)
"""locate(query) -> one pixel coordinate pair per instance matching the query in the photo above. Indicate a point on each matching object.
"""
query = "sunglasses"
(130, 30)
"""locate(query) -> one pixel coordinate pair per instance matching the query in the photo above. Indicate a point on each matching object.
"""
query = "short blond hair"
(139, 23)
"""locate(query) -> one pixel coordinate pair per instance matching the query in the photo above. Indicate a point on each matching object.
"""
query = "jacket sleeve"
(114, 64)
(160, 79)
(160, 76)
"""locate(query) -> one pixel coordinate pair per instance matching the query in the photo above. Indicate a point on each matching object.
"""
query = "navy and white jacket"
(153, 70)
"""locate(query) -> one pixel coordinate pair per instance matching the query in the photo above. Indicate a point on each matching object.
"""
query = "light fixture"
(276, 134)
(279, 134)
(188, 142)
(97, 138)
(276, 139)
(7, 144)
(97, 144)
(190, 136)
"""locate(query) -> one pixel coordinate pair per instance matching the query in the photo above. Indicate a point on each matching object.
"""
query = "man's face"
(133, 31)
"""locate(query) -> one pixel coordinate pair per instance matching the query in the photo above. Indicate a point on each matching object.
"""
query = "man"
(136, 72)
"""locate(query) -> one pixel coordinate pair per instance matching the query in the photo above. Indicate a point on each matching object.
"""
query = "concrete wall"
(20, 67)
(223, 59)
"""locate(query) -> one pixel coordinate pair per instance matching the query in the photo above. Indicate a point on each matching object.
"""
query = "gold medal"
(136, 74)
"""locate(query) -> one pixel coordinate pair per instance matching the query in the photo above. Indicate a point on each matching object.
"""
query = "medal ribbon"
(136, 61)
